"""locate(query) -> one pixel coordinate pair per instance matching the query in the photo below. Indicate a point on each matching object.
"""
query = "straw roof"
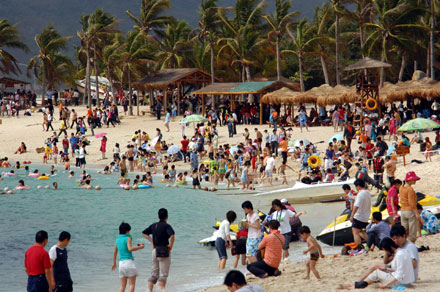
(422, 88)
(163, 78)
(367, 63)
(280, 96)
(338, 95)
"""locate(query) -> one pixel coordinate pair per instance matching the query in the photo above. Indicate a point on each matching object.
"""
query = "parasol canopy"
(338, 137)
(367, 63)
(280, 96)
(418, 124)
(100, 135)
(173, 149)
(194, 119)
(296, 143)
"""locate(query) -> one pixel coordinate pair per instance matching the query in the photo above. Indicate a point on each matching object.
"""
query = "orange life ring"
(371, 104)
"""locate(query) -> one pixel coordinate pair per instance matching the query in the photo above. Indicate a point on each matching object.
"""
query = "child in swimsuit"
(314, 250)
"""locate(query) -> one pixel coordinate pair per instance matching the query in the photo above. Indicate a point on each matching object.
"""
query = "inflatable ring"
(181, 183)
(43, 177)
(371, 104)
(22, 188)
(314, 161)
(33, 174)
(144, 186)
(123, 186)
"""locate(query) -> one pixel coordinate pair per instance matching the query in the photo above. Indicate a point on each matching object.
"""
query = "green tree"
(131, 57)
(96, 28)
(150, 16)
(278, 22)
(9, 39)
(50, 66)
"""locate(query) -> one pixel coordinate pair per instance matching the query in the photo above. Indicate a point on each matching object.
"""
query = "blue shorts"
(287, 237)
(252, 246)
(220, 245)
(303, 123)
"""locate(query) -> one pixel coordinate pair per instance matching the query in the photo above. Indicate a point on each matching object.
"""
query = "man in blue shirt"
(377, 230)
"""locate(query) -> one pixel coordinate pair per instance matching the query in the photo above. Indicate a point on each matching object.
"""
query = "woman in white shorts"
(127, 267)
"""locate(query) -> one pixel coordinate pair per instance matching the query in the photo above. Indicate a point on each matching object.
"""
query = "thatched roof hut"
(162, 79)
(410, 89)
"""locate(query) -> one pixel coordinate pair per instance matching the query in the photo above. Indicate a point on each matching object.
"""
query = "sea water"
(92, 217)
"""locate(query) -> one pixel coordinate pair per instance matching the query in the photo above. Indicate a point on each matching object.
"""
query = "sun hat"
(284, 201)
(411, 176)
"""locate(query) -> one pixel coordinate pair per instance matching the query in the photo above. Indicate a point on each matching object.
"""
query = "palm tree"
(96, 28)
(173, 45)
(302, 41)
(9, 38)
(321, 25)
(392, 22)
(363, 14)
(50, 66)
(338, 8)
(243, 34)
(131, 57)
(150, 16)
(208, 29)
(278, 22)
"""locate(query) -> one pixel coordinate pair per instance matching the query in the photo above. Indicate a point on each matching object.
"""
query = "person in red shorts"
(37, 265)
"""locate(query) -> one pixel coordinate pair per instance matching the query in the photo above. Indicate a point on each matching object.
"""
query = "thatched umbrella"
(280, 96)
(367, 63)
(422, 88)
(337, 95)
(313, 94)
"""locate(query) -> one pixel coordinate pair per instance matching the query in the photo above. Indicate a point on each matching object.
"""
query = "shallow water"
(93, 218)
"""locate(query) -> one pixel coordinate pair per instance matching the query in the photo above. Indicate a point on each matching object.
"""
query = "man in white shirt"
(270, 164)
(361, 212)
(400, 273)
(82, 156)
(399, 236)
(274, 141)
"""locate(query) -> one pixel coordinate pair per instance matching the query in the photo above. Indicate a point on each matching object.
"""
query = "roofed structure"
(6, 80)
(163, 78)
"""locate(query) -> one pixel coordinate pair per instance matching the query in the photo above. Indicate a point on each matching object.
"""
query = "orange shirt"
(89, 113)
(408, 198)
(273, 244)
(283, 145)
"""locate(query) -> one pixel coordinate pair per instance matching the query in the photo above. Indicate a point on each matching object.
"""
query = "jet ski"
(339, 231)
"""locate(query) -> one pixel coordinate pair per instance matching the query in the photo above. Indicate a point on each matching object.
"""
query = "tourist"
(273, 249)
(254, 231)
(360, 213)
(390, 167)
(314, 249)
(224, 239)
(409, 216)
(349, 133)
(103, 147)
(37, 265)
(428, 221)
(303, 119)
(168, 120)
(236, 282)
(270, 165)
(393, 199)
(399, 235)
(162, 240)
(349, 197)
(58, 259)
(274, 139)
(377, 230)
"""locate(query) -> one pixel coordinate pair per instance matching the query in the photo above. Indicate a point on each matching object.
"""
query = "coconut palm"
(173, 45)
(338, 9)
(150, 16)
(96, 28)
(278, 22)
(389, 30)
(303, 41)
(131, 57)
(364, 13)
(9, 39)
(50, 66)
(243, 34)
(208, 29)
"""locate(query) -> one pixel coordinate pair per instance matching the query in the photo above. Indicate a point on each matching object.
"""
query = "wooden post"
(261, 112)
(151, 99)
(203, 105)
(165, 100)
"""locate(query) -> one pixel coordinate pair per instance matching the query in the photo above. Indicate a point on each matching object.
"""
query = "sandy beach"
(334, 270)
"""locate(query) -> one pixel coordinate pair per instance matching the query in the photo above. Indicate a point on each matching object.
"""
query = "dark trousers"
(274, 147)
(260, 268)
(62, 131)
(184, 154)
(373, 239)
(37, 284)
(230, 130)
(49, 125)
(284, 155)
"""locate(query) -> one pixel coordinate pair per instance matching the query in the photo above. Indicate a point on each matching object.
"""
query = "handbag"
(162, 251)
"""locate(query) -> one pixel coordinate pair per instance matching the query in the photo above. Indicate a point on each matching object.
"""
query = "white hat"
(284, 201)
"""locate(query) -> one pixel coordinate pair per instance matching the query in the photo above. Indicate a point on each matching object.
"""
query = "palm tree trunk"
(338, 77)
(402, 67)
(43, 94)
(130, 93)
(428, 61)
(415, 65)
(95, 63)
(87, 85)
(301, 77)
(248, 73)
(278, 59)
(382, 71)
(431, 41)
(212, 63)
(324, 66)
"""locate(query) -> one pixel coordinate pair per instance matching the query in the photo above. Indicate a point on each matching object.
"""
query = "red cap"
(411, 176)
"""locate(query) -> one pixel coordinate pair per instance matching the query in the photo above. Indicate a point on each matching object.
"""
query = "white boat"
(302, 186)
(103, 84)
(210, 241)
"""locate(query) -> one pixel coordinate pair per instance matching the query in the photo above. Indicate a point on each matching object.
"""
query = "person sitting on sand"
(21, 149)
(400, 273)
(377, 230)
(236, 282)
(314, 250)
(428, 221)
(273, 246)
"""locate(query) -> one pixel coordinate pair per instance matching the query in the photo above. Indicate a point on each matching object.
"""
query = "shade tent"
(280, 96)
(335, 95)
(367, 63)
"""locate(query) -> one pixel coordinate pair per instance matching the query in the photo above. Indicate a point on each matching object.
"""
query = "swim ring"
(23, 188)
(34, 174)
(371, 104)
(43, 177)
(9, 174)
(314, 161)
(124, 186)
(182, 183)
(144, 186)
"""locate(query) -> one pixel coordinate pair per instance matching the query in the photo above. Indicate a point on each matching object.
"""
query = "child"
(196, 179)
(329, 177)
(215, 177)
(224, 239)
(116, 152)
(127, 268)
(349, 196)
(244, 176)
(282, 172)
(67, 164)
(103, 147)
(314, 250)
(240, 247)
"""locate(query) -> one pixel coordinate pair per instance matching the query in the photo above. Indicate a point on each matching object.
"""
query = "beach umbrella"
(233, 149)
(390, 150)
(100, 135)
(194, 119)
(337, 136)
(418, 124)
(173, 149)
(296, 143)
(154, 141)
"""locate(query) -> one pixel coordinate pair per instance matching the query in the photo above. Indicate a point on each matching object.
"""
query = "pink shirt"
(253, 232)
(392, 196)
